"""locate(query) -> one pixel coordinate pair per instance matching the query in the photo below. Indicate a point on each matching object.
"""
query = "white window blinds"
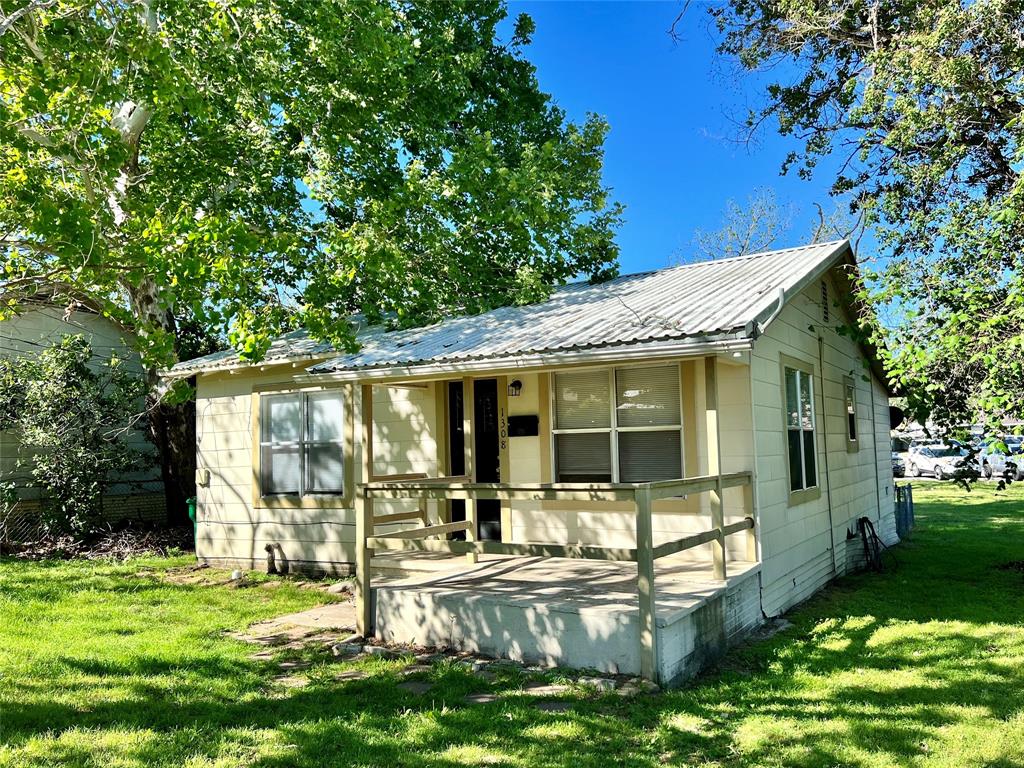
(583, 420)
(641, 426)
(582, 400)
(647, 397)
(301, 439)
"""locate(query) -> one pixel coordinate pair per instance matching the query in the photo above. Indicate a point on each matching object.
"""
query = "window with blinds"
(301, 443)
(622, 425)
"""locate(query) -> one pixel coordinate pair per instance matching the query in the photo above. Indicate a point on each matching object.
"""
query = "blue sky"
(671, 154)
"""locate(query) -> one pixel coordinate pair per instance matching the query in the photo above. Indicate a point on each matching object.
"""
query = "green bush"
(74, 411)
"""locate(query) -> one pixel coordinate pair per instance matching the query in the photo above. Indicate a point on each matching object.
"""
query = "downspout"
(828, 474)
(759, 328)
(874, 446)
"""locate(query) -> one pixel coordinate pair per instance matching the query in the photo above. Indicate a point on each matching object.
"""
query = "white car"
(936, 459)
(995, 461)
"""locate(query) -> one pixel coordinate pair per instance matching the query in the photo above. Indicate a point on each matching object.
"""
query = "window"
(622, 425)
(301, 437)
(802, 452)
(850, 402)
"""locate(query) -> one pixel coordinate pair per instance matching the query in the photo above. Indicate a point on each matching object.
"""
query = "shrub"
(74, 412)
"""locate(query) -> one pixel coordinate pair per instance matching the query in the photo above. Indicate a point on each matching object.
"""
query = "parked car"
(899, 468)
(936, 459)
(999, 461)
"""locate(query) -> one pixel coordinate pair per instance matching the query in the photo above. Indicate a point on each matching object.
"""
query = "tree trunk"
(172, 428)
(173, 431)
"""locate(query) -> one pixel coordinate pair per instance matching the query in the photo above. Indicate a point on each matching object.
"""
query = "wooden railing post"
(714, 428)
(364, 529)
(646, 594)
(717, 523)
(364, 520)
(471, 519)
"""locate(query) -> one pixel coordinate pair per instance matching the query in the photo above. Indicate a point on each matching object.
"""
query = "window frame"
(850, 399)
(321, 499)
(614, 429)
(806, 493)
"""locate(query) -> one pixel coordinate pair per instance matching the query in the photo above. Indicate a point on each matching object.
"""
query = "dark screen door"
(487, 455)
(456, 449)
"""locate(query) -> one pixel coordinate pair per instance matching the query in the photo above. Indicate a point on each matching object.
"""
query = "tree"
(251, 167)
(746, 229)
(922, 104)
(762, 223)
(74, 416)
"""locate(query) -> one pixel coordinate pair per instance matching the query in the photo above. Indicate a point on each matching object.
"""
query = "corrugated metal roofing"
(711, 299)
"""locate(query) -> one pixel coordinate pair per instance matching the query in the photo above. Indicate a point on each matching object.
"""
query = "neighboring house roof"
(707, 303)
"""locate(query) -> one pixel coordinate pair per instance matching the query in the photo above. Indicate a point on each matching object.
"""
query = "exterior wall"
(798, 545)
(612, 524)
(557, 632)
(24, 336)
(804, 546)
(235, 524)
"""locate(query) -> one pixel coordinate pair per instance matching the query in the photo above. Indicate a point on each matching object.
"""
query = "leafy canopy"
(254, 166)
(922, 104)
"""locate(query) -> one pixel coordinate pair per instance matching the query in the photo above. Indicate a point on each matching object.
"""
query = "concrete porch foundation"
(562, 612)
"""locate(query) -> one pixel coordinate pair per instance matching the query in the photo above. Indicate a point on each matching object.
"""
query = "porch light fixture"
(515, 387)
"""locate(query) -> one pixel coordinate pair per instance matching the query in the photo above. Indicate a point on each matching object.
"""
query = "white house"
(639, 471)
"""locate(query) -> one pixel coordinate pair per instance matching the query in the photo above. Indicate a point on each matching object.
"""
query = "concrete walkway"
(324, 622)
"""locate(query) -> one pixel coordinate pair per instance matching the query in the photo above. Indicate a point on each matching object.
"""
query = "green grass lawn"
(101, 665)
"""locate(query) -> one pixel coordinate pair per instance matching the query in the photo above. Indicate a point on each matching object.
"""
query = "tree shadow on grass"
(371, 722)
(875, 671)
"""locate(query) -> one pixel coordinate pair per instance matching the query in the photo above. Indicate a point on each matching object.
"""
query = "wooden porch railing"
(644, 554)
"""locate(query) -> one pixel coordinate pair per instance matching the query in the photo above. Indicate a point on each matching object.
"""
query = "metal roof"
(711, 300)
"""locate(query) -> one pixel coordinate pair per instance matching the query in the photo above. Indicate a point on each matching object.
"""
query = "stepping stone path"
(553, 706)
(480, 698)
(416, 687)
(602, 684)
(350, 674)
(416, 669)
(293, 666)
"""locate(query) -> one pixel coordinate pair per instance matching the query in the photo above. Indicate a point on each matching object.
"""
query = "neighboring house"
(139, 497)
(649, 465)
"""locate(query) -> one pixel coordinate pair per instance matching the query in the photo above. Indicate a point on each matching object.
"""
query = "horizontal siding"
(797, 541)
(231, 529)
(24, 336)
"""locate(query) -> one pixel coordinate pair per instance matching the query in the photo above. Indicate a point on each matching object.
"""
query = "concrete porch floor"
(567, 612)
(559, 583)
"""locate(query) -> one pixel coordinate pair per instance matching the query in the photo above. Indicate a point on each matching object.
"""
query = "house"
(42, 323)
(627, 476)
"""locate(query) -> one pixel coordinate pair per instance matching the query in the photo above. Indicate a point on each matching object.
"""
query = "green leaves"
(259, 166)
(921, 104)
(74, 411)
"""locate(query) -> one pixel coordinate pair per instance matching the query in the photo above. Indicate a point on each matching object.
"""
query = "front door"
(487, 455)
(456, 449)
(485, 437)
